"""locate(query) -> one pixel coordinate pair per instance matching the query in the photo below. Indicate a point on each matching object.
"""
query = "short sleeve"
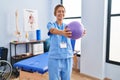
(49, 26)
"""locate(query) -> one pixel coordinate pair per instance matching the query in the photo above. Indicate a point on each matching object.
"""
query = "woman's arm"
(66, 32)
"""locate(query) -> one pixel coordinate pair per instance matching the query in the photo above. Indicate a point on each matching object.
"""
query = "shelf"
(33, 41)
(17, 58)
(25, 55)
(22, 56)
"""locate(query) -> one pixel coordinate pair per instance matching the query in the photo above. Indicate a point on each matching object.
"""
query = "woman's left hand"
(84, 33)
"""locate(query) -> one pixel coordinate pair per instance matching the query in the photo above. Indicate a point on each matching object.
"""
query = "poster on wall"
(30, 20)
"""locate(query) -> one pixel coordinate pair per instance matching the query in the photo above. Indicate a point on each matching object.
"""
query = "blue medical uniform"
(60, 59)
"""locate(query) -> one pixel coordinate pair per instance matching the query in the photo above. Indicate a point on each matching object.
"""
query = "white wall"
(94, 17)
(92, 56)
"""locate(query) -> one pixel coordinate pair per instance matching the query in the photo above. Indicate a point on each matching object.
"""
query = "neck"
(59, 22)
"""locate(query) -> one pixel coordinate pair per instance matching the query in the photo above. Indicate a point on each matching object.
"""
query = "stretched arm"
(66, 32)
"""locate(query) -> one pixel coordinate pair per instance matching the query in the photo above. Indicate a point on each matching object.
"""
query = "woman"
(60, 52)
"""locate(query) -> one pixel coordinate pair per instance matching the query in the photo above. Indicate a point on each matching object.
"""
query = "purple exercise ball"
(76, 28)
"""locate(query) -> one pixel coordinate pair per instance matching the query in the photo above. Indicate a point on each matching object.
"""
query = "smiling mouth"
(60, 15)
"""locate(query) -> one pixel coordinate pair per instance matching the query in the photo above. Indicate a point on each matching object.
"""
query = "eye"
(59, 11)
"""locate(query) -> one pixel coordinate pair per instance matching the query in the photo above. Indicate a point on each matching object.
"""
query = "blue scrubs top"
(55, 50)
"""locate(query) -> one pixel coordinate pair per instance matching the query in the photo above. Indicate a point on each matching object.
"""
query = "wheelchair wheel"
(5, 70)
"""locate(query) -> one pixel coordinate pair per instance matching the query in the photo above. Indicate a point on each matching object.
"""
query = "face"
(60, 13)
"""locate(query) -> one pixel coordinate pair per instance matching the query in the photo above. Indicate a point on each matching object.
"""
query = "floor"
(75, 76)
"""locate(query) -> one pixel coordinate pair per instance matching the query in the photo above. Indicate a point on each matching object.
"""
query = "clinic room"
(59, 40)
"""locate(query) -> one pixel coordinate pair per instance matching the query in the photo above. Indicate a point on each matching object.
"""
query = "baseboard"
(93, 78)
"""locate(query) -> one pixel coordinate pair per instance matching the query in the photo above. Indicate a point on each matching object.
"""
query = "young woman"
(60, 52)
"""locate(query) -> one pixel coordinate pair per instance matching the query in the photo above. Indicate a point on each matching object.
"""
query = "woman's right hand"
(67, 32)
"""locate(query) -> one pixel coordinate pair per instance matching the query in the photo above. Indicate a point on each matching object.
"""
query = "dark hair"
(56, 7)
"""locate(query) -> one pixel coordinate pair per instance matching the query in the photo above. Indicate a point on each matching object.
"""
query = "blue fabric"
(60, 69)
(34, 64)
(55, 51)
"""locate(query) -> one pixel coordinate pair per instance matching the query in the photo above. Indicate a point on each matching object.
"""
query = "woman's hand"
(84, 33)
(67, 33)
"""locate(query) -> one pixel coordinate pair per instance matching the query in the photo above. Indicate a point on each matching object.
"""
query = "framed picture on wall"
(30, 20)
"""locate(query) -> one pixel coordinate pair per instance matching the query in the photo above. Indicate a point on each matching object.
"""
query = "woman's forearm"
(65, 32)
(56, 31)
